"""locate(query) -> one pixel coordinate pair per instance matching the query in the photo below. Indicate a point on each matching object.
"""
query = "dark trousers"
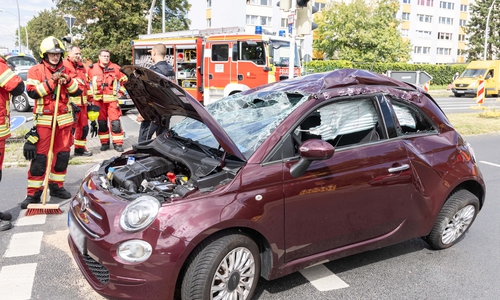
(147, 130)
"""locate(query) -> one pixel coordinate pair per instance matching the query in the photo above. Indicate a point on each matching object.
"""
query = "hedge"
(441, 74)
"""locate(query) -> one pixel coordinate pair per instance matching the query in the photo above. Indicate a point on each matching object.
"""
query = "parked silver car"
(23, 102)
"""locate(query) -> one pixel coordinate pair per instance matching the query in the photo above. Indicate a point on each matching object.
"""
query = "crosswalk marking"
(31, 220)
(323, 279)
(23, 244)
(17, 281)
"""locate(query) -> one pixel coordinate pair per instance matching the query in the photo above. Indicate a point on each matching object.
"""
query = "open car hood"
(157, 99)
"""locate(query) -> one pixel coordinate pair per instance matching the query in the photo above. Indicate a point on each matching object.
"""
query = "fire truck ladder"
(193, 33)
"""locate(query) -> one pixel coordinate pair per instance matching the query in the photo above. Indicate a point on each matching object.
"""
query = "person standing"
(158, 54)
(42, 83)
(13, 84)
(105, 87)
(78, 72)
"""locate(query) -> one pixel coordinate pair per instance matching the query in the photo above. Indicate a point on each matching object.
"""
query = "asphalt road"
(408, 270)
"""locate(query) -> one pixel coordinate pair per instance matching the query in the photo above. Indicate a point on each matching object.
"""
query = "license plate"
(77, 235)
(125, 102)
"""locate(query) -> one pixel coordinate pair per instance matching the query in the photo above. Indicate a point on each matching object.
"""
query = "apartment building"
(435, 28)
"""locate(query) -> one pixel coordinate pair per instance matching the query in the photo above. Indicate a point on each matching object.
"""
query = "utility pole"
(291, 59)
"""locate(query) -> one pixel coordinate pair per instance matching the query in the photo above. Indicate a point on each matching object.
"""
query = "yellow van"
(467, 83)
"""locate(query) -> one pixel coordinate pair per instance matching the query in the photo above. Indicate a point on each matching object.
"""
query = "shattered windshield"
(247, 119)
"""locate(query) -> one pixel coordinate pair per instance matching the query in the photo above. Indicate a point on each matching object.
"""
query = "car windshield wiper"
(203, 148)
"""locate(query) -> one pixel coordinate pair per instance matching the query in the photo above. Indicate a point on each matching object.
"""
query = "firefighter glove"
(93, 112)
(93, 129)
(120, 94)
(60, 78)
(75, 110)
(29, 149)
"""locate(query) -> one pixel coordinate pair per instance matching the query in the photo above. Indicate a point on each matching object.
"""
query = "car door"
(361, 193)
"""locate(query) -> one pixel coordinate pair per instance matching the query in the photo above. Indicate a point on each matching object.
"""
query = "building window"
(209, 3)
(424, 18)
(426, 2)
(265, 2)
(463, 22)
(284, 22)
(422, 34)
(463, 7)
(406, 16)
(445, 21)
(461, 37)
(462, 52)
(443, 51)
(319, 6)
(404, 32)
(446, 5)
(252, 20)
(444, 36)
(265, 21)
(209, 23)
(406, 1)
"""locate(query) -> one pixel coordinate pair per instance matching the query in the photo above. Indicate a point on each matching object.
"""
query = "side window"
(220, 52)
(342, 123)
(410, 120)
(252, 51)
(235, 52)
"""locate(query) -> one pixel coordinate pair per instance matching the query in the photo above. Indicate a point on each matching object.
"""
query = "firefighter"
(161, 66)
(105, 87)
(77, 70)
(9, 83)
(41, 85)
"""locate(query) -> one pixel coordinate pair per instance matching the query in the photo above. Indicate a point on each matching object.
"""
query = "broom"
(40, 209)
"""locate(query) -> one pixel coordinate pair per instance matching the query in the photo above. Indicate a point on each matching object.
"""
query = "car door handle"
(399, 169)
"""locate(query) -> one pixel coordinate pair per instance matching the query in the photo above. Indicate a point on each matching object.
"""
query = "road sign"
(414, 77)
(16, 122)
(290, 19)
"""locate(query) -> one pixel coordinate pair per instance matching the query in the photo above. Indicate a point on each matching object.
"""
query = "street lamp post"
(487, 29)
(18, 25)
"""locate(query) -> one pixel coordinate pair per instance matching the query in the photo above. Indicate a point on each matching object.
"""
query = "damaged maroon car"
(270, 181)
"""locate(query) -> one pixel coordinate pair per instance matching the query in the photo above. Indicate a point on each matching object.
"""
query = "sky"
(30, 8)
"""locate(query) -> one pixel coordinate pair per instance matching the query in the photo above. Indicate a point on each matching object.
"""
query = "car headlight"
(139, 214)
(474, 84)
(134, 251)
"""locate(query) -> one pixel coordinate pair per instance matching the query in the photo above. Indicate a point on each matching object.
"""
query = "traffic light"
(284, 5)
(305, 22)
(302, 3)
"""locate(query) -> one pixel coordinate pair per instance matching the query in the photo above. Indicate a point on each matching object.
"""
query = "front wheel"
(454, 219)
(225, 268)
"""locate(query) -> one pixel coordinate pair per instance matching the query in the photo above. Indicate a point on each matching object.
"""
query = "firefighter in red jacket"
(41, 85)
(106, 86)
(9, 83)
(73, 63)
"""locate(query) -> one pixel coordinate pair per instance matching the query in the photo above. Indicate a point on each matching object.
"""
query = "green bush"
(441, 74)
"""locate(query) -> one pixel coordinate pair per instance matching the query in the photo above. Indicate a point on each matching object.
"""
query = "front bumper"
(464, 91)
(94, 242)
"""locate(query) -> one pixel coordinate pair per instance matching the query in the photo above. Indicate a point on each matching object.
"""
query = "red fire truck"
(214, 63)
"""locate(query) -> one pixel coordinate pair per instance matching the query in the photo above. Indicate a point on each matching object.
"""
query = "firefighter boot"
(105, 147)
(31, 199)
(6, 216)
(59, 192)
(82, 152)
(4, 225)
(118, 148)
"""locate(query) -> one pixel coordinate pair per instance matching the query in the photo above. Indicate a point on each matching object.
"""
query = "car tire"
(21, 103)
(454, 219)
(227, 258)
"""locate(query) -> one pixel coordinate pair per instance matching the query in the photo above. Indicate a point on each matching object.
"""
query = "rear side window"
(411, 120)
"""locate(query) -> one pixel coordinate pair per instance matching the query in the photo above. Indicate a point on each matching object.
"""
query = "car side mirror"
(487, 76)
(310, 151)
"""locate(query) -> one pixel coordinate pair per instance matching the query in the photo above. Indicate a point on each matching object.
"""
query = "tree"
(47, 23)
(112, 24)
(361, 31)
(476, 30)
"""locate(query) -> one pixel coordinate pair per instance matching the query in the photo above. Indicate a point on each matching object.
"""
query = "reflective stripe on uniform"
(35, 184)
(57, 177)
(5, 77)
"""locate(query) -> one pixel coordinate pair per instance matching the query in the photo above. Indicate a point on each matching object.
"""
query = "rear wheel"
(454, 219)
(21, 103)
(225, 268)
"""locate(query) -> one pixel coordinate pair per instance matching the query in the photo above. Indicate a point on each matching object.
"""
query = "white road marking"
(31, 220)
(491, 164)
(323, 279)
(17, 281)
(23, 244)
